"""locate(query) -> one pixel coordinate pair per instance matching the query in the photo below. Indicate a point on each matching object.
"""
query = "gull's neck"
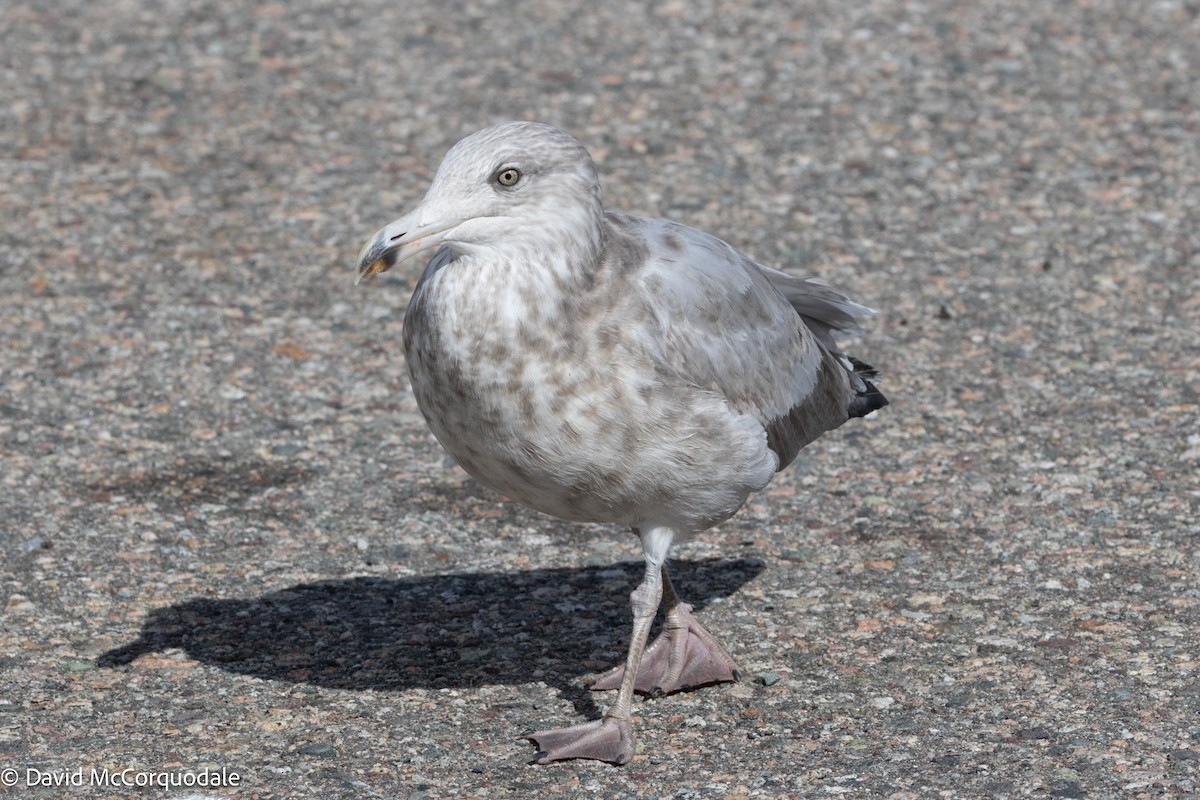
(556, 258)
(534, 277)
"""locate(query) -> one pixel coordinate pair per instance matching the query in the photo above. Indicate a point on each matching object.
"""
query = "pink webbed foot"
(684, 656)
(605, 739)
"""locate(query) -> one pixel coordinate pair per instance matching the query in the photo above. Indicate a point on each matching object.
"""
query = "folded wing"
(762, 339)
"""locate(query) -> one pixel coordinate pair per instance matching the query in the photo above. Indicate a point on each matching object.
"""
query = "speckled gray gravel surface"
(230, 543)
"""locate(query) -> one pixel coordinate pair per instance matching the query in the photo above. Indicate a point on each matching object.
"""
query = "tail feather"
(827, 311)
(823, 308)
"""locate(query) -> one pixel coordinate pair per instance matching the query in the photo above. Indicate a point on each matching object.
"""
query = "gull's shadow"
(435, 631)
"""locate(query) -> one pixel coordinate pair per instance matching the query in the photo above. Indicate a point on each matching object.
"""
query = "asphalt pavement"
(233, 554)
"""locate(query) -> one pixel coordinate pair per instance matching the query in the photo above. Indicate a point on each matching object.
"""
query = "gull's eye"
(508, 177)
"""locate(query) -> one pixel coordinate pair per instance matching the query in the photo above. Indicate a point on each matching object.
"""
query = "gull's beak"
(400, 240)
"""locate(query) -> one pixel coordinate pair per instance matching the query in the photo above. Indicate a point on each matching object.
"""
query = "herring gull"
(601, 367)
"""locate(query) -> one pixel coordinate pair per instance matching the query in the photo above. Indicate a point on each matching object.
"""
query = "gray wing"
(759, 337)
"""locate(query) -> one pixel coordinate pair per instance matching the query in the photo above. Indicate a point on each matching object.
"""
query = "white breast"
(551, 410)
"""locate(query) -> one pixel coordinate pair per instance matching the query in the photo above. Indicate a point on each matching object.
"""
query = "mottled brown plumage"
(609, 368)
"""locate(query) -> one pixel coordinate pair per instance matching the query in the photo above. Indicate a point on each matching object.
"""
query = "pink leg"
(610, 738)
(684, 655)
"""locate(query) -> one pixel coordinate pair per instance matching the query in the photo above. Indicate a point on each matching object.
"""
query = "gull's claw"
(607, 739)
(684, 656)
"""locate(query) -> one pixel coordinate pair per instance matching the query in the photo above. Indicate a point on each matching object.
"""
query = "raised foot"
(683, 656)
(605, 739)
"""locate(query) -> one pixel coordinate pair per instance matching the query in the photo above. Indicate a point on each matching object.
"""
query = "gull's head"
(517, 187)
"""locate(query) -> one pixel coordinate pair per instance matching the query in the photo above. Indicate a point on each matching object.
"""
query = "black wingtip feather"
(867, 401)
(862, 368)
